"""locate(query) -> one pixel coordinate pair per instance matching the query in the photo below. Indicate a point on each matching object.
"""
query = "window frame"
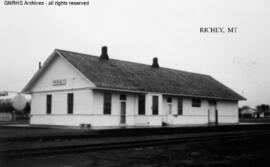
(141, 104)
(123, 97)
(179, 106)
(70, 103)
(196, 102)
(107, 103)
(212, 102)
(48, 104)
(155, 105)
(169, 99)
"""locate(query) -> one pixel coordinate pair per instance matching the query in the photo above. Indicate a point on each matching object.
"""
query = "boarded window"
(196, 102)
(141, 106)
(70, 103)
(49, 104)
(212, 102)
(107, 103)
(180, 106)
(123, 97)
(169, 99)
(155, 105)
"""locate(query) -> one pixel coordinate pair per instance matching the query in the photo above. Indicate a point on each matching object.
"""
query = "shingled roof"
(124, 75)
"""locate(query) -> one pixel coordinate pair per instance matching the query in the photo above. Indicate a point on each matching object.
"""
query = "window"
(141, 106)
(169, 99)
(180, 106)
(123, 97)
(49, 104)
(107, 102)
(169, 108)
(169, 104)
(155, 105)
(70, 103)
(196, 102)
(212, 102)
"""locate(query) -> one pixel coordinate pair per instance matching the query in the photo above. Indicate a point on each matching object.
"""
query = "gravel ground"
(255, 120)
(25, 144)
(239, 152)
(25, 132)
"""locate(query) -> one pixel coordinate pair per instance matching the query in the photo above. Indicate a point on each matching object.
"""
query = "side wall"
(149, 118)
(191, 115)
(82, 106)
(228, 112)
(88, 109)
(113, 119)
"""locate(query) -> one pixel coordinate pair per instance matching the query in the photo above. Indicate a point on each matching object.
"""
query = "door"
(123, 112)
(212, 112)
(155, 105)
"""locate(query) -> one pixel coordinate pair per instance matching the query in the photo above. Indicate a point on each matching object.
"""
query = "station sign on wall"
(59, 82)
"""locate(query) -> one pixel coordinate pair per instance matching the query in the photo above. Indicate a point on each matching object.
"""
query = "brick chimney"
(155, 63)
(104, 53)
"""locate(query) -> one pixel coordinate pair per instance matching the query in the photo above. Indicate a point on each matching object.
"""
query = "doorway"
(212, 112)
(123, 112)
(123, 109)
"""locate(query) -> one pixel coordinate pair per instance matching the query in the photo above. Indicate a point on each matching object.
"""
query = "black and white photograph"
(137, 83)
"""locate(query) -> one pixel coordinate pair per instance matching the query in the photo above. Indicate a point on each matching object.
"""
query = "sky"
(137, 31)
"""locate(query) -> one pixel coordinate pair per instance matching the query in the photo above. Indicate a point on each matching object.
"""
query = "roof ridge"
(84, 54)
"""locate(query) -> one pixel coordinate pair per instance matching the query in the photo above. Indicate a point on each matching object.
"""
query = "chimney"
(155, 63)
(104, 53)
(39, 65)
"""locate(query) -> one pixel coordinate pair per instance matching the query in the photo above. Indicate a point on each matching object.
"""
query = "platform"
(34, 132)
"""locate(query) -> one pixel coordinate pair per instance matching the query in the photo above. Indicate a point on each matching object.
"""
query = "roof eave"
(169, 94)
(26, 89)
(56, 52)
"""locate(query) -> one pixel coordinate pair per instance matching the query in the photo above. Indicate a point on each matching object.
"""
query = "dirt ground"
(255, 120)
(241, 152)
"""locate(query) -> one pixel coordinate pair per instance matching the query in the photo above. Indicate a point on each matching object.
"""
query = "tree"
(27, 109)
(263, 108)
(242, 110)
(6, 105)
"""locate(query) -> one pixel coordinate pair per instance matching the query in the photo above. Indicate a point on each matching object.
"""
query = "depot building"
(73, 89)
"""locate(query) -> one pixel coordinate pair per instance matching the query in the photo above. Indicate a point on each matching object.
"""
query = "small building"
(73, 89)
(248, 112)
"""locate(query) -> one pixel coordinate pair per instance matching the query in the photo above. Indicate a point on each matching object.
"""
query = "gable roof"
(124, 75)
